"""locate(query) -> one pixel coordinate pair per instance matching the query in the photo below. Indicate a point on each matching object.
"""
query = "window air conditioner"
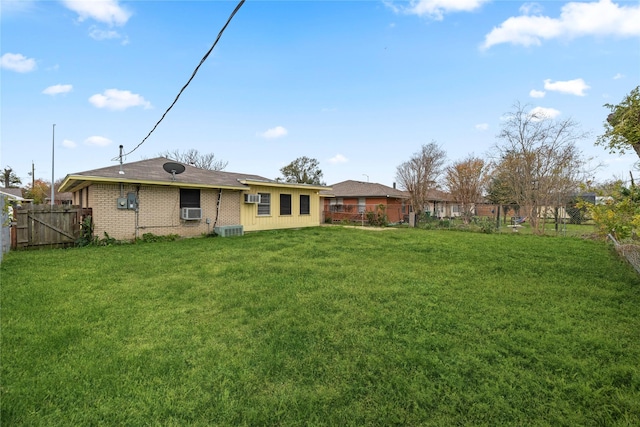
(252, 198)
(190, 214)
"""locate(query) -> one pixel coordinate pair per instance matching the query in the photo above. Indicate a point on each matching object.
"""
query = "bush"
(378, 217)
(86, 232)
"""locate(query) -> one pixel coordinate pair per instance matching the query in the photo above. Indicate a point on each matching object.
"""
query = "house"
(163, 197)
(353, 199)
(12, 194)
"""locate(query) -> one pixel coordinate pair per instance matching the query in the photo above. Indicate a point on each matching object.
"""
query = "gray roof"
(13, 193)
(151, 171)
(366, 189)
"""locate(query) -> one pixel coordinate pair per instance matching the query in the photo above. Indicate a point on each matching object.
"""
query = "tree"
(9, 178)
(303, 170)
(420, 174)
(622, 127)
(194, 158)
(539, 162)
(466, 181)
(39, 191)
(618, 213)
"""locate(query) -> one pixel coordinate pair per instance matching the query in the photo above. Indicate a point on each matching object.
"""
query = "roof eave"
(84, 181)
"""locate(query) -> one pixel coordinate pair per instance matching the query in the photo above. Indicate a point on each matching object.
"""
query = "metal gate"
(45, 226)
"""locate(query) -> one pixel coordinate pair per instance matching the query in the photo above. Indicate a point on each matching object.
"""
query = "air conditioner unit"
(190, 214)
(229, 230)
(252, 198)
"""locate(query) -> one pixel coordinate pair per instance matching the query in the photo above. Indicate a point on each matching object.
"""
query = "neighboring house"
(135, 198)
(441, 205)
(352, 199)
(12, 194)
(60, 199)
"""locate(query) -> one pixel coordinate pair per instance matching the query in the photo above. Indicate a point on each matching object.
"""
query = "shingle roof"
(366, 189)
(151, 171)
(14, 193)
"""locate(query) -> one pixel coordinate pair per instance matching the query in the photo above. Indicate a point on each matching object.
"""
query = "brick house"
(141, 197)
(353, 199)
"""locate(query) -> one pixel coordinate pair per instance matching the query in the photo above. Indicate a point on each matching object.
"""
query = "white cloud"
(57, 89)
(276, 132)
(99, 34)
(531, 9)
(106, 11)
(571, 87)
(17, 62)
(69, 144)
(482, 126)
(115, 99)
(16, 6)
(436, 9)
(338, 158)
(98, 141)
(541, 113)
(618, 76)
(537, 93)
(601, 18)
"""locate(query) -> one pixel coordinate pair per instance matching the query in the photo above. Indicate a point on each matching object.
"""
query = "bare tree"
(194, 158)
(466, 180)
(420, 174)
(539, 161)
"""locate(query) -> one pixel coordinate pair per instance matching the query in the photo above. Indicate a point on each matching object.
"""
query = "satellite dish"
(173, 168)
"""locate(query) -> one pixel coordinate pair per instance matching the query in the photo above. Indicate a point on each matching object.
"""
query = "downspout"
(137, 211)
(215, 221)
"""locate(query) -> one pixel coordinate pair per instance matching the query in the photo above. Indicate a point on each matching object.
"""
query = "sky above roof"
(358, 85)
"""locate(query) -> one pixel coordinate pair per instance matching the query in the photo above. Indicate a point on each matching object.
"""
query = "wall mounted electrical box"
(122, 203)
(132, 202)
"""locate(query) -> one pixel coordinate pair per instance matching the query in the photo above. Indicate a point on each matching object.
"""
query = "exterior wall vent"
(191, 214)
(252, 198)
(229, 230)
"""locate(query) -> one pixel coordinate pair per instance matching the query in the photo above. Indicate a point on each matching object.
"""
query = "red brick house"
(353, 199)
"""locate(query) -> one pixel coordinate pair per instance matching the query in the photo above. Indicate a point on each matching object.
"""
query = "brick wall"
(158, 211)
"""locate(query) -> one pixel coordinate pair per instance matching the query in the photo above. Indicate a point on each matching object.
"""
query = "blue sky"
(358, 85)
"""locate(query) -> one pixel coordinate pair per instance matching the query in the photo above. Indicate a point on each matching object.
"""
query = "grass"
(323, 326)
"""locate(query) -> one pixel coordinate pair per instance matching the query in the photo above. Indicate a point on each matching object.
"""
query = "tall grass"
(323, 326)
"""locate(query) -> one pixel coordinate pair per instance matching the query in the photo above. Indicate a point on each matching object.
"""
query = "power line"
(204, 58)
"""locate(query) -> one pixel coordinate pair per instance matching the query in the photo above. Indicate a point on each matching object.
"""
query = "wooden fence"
(45, 226)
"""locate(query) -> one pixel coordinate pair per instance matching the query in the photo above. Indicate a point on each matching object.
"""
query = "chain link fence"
(630, 252)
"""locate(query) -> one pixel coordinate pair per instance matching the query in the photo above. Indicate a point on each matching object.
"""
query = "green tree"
(622, 127)
(9, 178)
(38, 192)
(618, 213)
(303, 170)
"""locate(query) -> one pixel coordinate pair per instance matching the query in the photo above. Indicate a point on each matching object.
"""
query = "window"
(305, 205)
(361, 204)
(337, 205)
(189, 198)
(285, 204)
(264, 207)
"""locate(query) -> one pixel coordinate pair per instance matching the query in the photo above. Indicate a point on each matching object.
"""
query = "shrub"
(86, 232)
(378, 217)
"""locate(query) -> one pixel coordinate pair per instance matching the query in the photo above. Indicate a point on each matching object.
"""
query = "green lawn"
(325, 326)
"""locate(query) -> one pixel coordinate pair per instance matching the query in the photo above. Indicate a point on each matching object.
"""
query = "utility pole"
(53, 148)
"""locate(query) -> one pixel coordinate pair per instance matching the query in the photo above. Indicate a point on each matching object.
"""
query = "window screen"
(189, 198)
(285, 204)
(305, 205)
(264, 207)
